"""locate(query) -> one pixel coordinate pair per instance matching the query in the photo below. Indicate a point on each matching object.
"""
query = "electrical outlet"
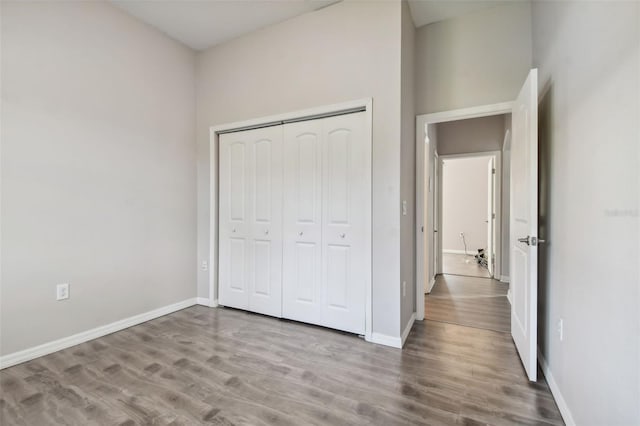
(62, 291)
(561, 329)
(404, 288)
(204, 266)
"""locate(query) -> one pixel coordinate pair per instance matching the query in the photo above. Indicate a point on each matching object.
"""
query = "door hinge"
(493, 215)
(493, 171)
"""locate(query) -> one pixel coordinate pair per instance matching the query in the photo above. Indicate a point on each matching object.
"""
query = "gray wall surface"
(472, 135)
(350, 50)
(98, 170)
(588, 55)
(476, 59)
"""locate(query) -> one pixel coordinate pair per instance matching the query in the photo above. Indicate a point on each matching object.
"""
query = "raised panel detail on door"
(236, 172)
(344, 222)
(337, 277)
(237, 264)
(307, 255)
(302, 221)
(338, 152)
(250, 226)
(262, 270)
(263, 181)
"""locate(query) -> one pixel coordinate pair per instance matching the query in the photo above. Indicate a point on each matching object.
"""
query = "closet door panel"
(302, 221)
(343, 224)
(265, 177)
(234, 248)
(250, 224)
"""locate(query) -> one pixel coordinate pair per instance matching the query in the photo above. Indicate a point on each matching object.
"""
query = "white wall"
(476, 59)
(588, 54)
(98, 169)
(464, 203)
(347, 51)
(471, 135)
(408, 169)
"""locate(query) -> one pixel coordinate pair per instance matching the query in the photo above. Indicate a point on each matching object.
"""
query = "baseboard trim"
(452, 251)
(407, 329)
(214, 303)
(383, 339)
(509, 296)
(431, 284)
(204, 301)
(555, 391)
(66, 342)
(504, 279)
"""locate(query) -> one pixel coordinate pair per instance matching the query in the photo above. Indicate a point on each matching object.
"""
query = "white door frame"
(422, 121)
(334, 109)
(497, 234)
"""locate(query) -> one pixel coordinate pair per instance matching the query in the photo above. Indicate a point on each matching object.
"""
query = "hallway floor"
(461, 264)
(469, 301)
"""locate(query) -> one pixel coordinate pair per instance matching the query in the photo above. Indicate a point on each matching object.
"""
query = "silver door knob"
(524, 240)
(266, 232)
(233, 230)
(300, 233)
(343, 235)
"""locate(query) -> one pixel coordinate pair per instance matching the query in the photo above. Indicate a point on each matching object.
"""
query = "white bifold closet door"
(325, 226)
(250, 220)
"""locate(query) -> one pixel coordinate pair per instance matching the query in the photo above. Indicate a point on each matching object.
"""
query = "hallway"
(469, 301)
(461, 264)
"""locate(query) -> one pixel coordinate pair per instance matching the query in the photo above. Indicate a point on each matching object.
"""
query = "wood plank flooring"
(469, 301)
(225, 367)
(460, 264)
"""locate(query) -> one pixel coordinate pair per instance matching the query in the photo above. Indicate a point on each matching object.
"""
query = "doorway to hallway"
(468, 223)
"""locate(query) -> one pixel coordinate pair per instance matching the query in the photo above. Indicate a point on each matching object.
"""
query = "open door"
(491, 215)
(524, 223)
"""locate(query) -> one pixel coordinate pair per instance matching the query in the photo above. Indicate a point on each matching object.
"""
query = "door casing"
(422, 123)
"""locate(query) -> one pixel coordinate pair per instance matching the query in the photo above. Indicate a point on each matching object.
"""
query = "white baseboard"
(394, 342)
(504, 278)
(66, 342)
(509, 296)
(204, 301)
(431, 284)
(383, 339)
(407, 329)
(555, 391)
(451, 251)
(214, 303)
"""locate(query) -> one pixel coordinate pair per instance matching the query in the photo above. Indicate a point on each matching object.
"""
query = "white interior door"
(491, 186)
(250, 227)
(345, 223)
(301, 287)
(524, 223)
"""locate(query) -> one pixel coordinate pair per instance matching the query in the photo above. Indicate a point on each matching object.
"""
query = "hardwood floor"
(469, 301)
(460, 264)
(221, 366)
